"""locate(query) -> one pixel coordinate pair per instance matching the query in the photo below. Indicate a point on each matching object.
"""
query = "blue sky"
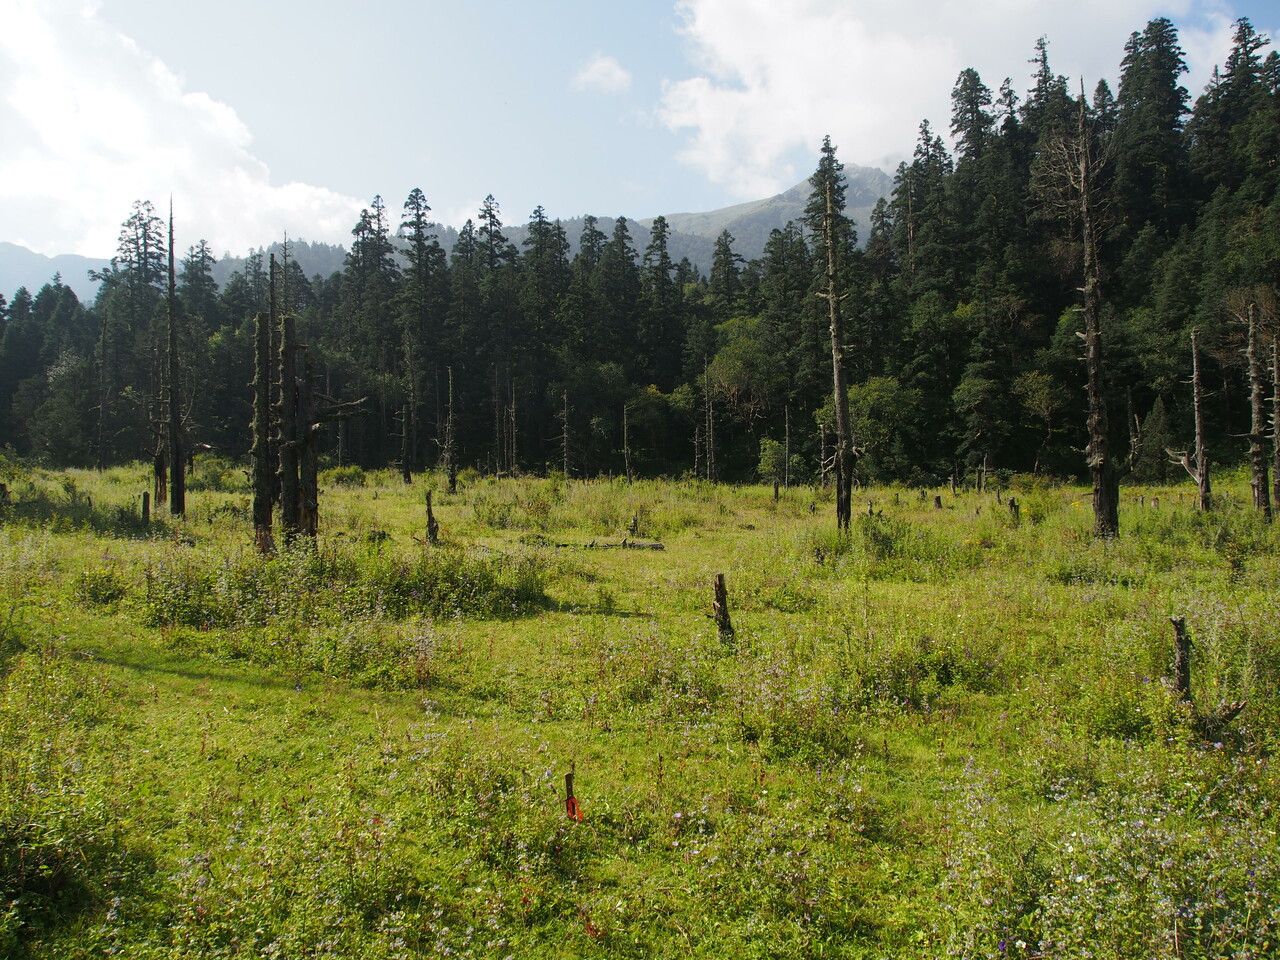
(265, 117)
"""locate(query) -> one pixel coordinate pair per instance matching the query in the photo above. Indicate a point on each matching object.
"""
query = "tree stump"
(720, 610)
(937, 502)
(1181, 659)
(1015, 511)
(146, 507)
(433, 528)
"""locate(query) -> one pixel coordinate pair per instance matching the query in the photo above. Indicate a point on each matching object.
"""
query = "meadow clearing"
(952, 733)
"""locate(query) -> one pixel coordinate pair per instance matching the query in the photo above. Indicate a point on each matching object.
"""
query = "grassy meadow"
(947, 734)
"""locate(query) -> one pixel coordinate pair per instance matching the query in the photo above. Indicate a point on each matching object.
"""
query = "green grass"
(944, 735)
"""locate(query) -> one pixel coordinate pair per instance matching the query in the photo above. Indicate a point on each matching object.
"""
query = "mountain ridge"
(692, 235)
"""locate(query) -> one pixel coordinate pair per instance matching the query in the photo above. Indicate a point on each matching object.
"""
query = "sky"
(261, 118)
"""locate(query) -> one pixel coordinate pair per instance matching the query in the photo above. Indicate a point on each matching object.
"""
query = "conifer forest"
(904, 591)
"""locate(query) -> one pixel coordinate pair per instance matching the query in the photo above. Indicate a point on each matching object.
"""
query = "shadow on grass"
(79, 512)
(55, 889)
(185, 668)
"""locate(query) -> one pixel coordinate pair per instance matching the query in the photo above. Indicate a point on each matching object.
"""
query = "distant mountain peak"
(693, 235)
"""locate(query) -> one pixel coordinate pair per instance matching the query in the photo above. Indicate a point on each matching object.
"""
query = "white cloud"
(773, 77)
(92, 122)
(602, 74)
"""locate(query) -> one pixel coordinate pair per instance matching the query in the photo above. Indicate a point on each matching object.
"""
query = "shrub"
(348, 475)
(100, 588)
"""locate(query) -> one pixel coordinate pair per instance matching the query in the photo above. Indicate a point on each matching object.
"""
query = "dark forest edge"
(1130, 220)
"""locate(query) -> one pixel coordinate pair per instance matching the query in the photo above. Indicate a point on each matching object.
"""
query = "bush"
(311, 586)
(100, 588)
(348, 475)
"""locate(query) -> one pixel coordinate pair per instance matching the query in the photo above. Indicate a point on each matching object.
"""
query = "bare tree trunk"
(1106, 481)
(710, 437)
(405, 473)
(159, 473)
(287, 447)
(273, 385)
(261, 453)
(1258, 418)
(433, 526)
(1181, 659)
(1204, 493)
(177, 482)
(309, 458)
(626, 443)
(564, 434)
(450, 452)
(720, 610)
(512, 457)
(1275, 419)
(786, 446)
(1197, 468)
(844, 441)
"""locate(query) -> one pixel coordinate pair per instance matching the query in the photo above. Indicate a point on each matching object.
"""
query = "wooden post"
(720, 610)
(1015, 511)
(146, 508)
(4, 493)
(775, 490)
(1181, 659)
(937, 502)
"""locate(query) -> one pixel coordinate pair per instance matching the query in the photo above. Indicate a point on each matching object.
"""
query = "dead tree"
(1275, 419)
(261, 452)
(159, 470)
(1068, 182)
(786, 446)
(1199, 468)
(287, 423)
(311, 418)
(449, 453)
(177, 479)
(626, 443)
(710, 435)
(406, 471)
(1181, 659)
(564, 434)
(1214, 723)
(273, 380)
(512, 429)
(1257, 415)
(308, 453)
(844, 439)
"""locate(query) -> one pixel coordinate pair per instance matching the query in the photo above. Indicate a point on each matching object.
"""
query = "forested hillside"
(961, 308)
